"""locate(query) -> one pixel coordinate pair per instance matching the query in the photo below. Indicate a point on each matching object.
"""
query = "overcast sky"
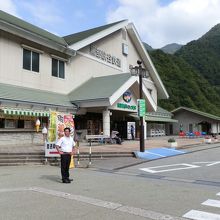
(159, 22)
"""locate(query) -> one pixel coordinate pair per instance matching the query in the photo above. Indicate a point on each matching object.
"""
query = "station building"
(86, 74)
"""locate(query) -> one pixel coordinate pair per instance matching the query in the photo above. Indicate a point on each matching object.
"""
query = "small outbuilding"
(191, 120)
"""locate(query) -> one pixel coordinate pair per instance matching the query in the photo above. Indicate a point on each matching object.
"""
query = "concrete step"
(18, 164)
(14, 159)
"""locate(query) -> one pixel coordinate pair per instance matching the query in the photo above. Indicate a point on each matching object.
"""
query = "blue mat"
(156, 153)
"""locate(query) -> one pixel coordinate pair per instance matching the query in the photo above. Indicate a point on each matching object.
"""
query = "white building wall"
(78, 70)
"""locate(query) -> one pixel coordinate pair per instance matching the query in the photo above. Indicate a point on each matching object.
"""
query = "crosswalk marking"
(211, 202)
(200, 215)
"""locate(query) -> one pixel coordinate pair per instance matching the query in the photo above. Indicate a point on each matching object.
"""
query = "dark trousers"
(65, 164)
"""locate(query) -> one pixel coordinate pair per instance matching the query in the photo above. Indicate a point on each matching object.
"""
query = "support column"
(145, 130)
(106, 122)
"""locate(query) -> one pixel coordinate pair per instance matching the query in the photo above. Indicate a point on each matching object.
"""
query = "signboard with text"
(141, 107)
(127, 102)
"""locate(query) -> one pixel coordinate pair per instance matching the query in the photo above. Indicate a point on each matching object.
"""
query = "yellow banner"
(59, 121)
(52, 131)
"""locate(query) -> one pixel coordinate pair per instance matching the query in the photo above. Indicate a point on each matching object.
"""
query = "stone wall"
(20, 138)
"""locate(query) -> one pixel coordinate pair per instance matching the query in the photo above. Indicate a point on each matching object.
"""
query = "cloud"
(9, 7)
(178, 21)
(46, 13)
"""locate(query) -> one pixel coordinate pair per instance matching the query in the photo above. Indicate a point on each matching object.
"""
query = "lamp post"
(141, 72)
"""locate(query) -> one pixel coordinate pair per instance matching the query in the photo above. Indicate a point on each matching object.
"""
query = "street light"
(142, 73)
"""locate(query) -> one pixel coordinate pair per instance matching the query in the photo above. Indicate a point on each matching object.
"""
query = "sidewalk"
(127, 146)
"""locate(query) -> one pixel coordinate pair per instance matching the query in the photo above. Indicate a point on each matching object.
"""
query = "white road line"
(218, 162)
(186, 166)
(173, 150)
(100, 203)
(147, 214)
(15, 189)
(200, 215)
(209, 163)
(212, 202)
(155, 154)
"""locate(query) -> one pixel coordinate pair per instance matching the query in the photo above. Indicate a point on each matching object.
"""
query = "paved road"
(166, 189)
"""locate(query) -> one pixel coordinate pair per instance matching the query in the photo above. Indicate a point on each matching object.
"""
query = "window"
(58, 68)
(9, 123)
(30, 60)
(28, 124)
(20, 124)
(2, 122)
(190, 127)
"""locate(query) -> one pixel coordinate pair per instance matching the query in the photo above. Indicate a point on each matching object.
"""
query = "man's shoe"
(70, 179)
(66, 181)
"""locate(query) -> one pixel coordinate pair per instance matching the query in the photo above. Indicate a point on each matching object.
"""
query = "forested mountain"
(171, 48)
(184, 84)
(192, 74)
(147, 46)
(204, 55)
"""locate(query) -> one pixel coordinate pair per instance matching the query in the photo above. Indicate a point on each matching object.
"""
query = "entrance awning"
(154, 119)
(160, 119)
(25, 112)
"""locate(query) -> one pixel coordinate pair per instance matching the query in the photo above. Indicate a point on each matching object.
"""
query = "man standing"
(65, 147)
(132, 132)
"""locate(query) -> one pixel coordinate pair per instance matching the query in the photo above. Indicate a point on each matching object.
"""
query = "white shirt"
(66, 144)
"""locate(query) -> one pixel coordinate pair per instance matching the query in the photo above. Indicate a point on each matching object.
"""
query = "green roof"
(160, 119)
(21, 94)
(5, 17)
(207, 115)
(160, 113)
(99, 87)
(73, 38)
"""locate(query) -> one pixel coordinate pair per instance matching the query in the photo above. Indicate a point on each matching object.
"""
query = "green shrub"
(171, 140)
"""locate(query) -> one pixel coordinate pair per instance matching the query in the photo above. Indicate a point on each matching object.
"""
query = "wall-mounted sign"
(127, 97)
(125, 49)
(102, 55)
(126, 106)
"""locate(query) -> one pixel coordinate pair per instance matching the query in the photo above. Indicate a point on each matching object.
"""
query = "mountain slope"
(147, 46)
(184, 84)
(171, 48)
(204, 55)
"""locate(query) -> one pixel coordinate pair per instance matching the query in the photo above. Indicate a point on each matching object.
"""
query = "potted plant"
(207, 139)
(172, 142)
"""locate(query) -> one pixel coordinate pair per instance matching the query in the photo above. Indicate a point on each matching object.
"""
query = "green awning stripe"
(26, 112)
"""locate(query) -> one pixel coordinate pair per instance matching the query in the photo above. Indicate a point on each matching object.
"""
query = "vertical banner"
(141, 107)
(57, 122)
(52, 130)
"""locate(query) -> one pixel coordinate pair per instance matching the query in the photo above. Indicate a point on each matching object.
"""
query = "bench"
(97, 138)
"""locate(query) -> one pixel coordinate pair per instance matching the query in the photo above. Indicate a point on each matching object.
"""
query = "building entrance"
(119, 121)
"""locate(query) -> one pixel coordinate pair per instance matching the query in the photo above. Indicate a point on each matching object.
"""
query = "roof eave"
(213, 117)
(86, 103)
(98, 36)
(36, 103)
(12, 29)
(162, 93)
